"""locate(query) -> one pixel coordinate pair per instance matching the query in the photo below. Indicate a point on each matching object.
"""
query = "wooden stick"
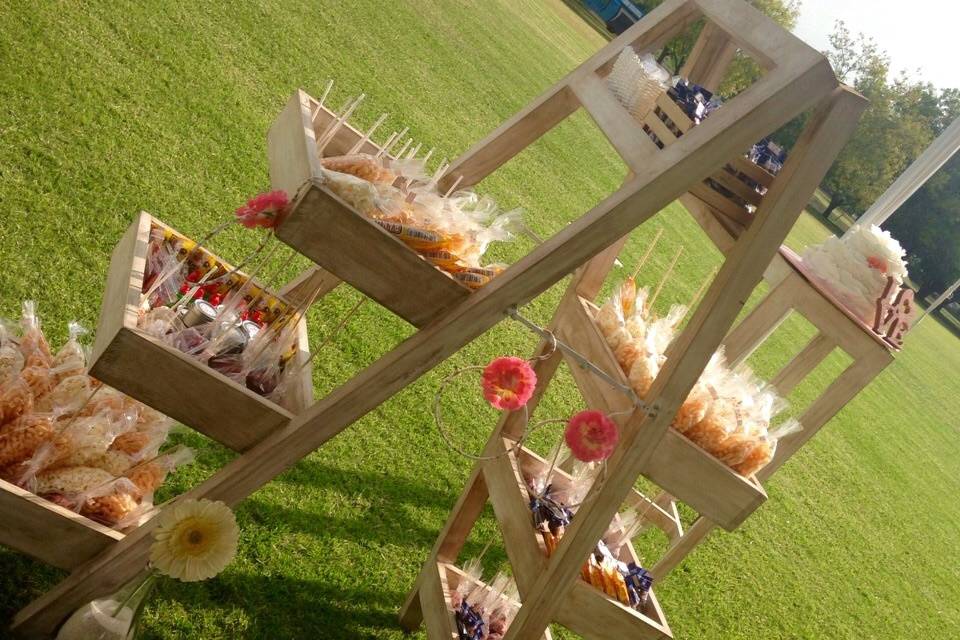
(326, 91)
(404, 148)
(666, 275)
(453, 187)
(339, 122)
(355, 148)
(703, 287)
(413, 152)
(387, 144)
(403, 132)
(646, 255)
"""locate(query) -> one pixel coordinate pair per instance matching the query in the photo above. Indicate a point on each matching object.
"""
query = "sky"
(919, 34)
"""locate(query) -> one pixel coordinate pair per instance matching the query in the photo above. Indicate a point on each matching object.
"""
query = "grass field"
(110, 108)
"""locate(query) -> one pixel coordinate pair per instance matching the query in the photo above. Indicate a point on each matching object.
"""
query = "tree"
(743, 71)
(899, 123)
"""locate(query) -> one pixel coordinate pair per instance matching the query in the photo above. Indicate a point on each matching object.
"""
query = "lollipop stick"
(646, 255)
(665, 277)
(362, 141)
(453, 187)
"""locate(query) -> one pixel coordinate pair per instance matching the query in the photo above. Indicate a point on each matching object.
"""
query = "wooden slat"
(616, 123)
(659, 129)
(721, 230)
(737, 187)
(292, 146)
(673, 111)
(753, 171)
(591, 614)
(721, 204)
(710, 58)
(325, 229)
(437, 614)
(48, 532)
(792, 373)
(694, 535)
(759, 324)
(509, 498)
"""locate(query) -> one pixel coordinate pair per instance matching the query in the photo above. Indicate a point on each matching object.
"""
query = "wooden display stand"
(795, 78)
(837, 328)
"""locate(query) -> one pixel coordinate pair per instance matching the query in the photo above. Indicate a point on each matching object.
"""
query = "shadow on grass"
(22, 579)
(274, 607)
(385, 517)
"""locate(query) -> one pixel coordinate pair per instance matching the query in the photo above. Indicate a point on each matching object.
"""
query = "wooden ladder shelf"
(796, 78)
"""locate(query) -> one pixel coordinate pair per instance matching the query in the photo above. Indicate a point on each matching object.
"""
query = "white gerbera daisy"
(194, 540)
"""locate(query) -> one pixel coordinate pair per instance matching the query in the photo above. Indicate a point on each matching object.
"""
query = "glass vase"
(114, 617)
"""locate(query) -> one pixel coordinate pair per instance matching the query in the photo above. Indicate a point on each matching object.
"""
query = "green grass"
(114, 107)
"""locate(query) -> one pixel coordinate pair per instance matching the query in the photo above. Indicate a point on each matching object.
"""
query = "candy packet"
(33, 344)
(16, 400)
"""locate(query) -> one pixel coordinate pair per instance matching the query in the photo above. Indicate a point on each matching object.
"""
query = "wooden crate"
(171, 382)
(680, 467)
(729, 190)
(589, 611)
(49, 532)
(331, 233)
(443, 580)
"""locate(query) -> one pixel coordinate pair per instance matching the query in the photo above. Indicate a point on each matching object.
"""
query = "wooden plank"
(722, 204)
(672, 110)
(721, 230)
(616, 123)
(760, 323)
(513, 136)
(830, 126)
(792, 373)
(660, 129)
(325, 229)
(292, 146)
(710, 58)
(313, 281)
(775, 99)
(48, 532)
(437, 614)
(589, 613)
(695, 534)
(753, 171)
(508, 495)
(737, 187)
(841, 391)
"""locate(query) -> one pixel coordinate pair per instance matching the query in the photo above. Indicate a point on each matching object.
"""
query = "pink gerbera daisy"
(508, 383)
(591, 436)
(263, 210)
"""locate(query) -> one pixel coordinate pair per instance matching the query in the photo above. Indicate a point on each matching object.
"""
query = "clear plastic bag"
(11, 359)
(16, 399)
(71, 359)
(33, 344)
(361, 165)
(20, 440)
(765, 448)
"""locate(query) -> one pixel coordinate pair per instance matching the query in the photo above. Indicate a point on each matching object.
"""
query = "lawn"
(110, 108)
